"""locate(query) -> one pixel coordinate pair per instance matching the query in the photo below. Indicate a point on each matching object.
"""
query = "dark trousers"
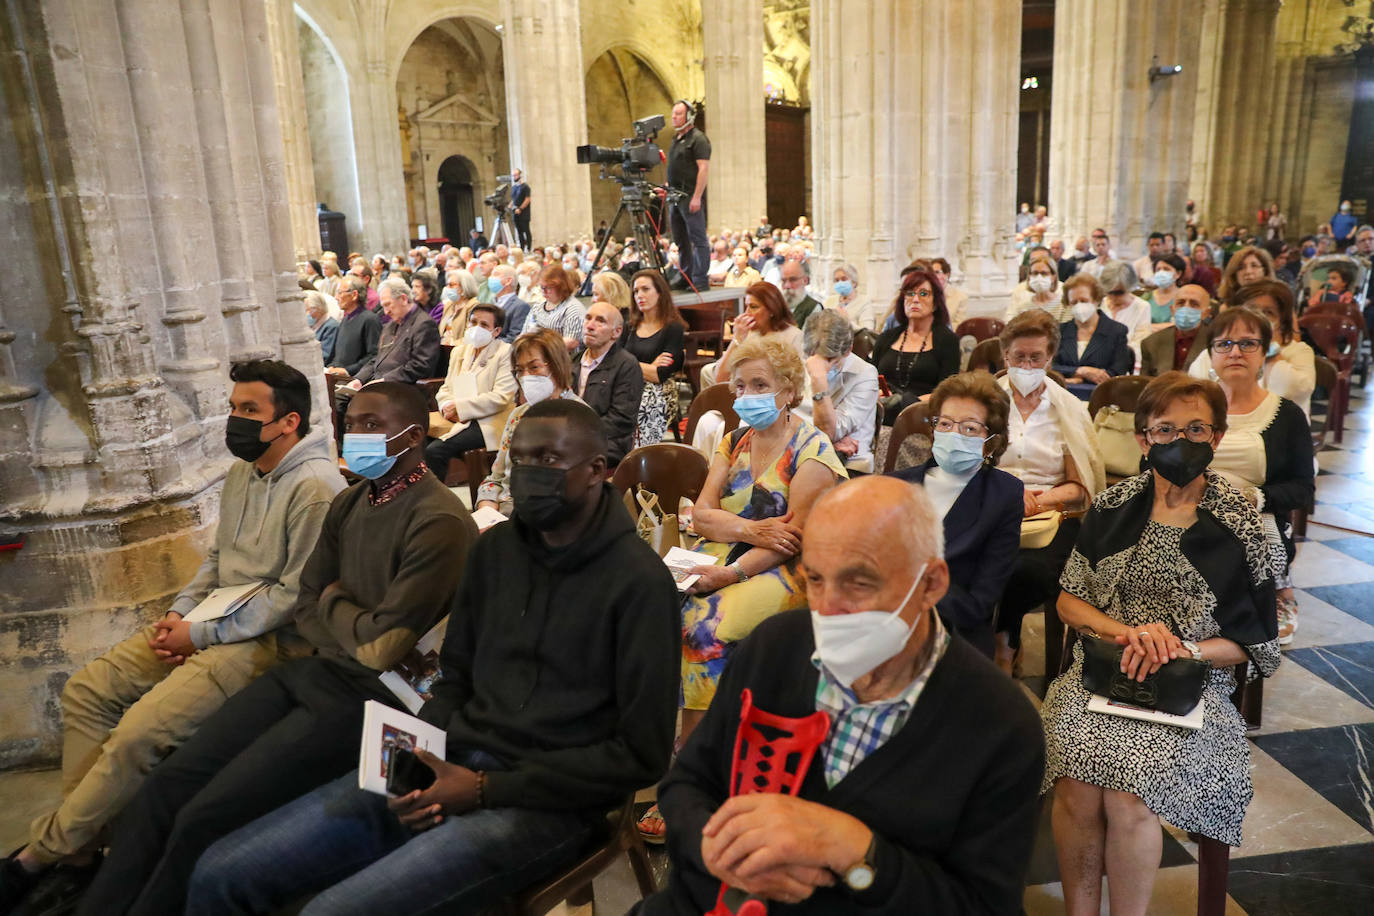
(1035, 580)
(693, 250)
(290, 731)
(441, 451)
(522, 229)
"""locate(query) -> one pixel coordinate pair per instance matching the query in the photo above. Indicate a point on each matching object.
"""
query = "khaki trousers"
(125, 712)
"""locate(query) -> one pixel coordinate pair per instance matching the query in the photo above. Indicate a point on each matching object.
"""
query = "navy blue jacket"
(982, 539)
(1107, 349)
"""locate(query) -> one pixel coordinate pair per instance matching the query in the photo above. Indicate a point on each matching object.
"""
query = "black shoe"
(57, 891)
(15, 883)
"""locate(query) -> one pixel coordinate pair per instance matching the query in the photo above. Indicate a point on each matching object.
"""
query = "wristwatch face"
(816, 396)
(860, 877)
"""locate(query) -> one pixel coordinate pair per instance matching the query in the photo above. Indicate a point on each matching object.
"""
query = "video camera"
(500, 198)
(636, 155)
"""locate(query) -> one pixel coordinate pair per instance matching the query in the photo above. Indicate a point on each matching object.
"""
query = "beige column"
(1121, 143)
(737, 187)
(1232, 123)
(142, 203)
(914, 126)
(290, 91)
(546, 108)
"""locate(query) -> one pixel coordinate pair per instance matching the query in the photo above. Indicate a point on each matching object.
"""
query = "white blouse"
(1035, 452)
(1240, 456)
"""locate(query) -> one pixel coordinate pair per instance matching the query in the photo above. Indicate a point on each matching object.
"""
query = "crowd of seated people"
(884, 602)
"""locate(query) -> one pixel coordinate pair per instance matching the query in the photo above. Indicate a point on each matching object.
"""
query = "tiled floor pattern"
(1309, 833)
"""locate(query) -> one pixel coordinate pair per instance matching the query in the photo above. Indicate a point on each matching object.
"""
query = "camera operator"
(520, 207)
(688, 162)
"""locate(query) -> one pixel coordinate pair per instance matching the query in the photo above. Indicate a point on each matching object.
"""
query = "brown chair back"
(1336, 336)
(864, 342)
(987, 356)
(981, 328)
(431, 386)
(717, 397)
(1123, 391)
(912, 421)
(669, 469)
(1350, 310)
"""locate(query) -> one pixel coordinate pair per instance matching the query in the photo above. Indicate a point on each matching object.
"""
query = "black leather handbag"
(1175, 688)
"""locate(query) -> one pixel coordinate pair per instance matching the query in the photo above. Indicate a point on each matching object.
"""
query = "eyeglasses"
(1022, 361)
(531, 369)
(914, 294)
(1165, 433)
(1246, 344)
(974, 429)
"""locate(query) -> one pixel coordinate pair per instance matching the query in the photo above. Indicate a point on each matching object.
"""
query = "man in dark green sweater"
(560, 671)
(924, 794)
(389, 560)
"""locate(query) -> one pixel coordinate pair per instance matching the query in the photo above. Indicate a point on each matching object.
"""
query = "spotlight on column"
(1158, 73)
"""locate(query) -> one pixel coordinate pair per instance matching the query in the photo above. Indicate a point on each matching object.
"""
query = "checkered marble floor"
(1309, 833)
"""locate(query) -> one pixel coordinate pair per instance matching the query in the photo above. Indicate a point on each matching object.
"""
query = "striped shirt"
(858, 729)
(565, 320)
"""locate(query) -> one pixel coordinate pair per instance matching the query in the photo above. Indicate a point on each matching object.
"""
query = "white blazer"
(481, 388)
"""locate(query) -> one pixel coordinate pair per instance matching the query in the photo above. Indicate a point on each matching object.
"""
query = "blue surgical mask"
(844, 288)
(449, 295)
(1163, 278)
(760, 411)
(310, 320)
(957, 453)
(1186, 317)
(832, 378)
(494, 285)
(1273, 348)
(1308, 251)
(365, 453)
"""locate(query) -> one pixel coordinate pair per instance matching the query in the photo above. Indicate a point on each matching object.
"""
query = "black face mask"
(1180, 462)
(243, 438)
(541, 496)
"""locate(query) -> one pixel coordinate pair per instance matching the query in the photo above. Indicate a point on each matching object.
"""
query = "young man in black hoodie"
(560, 671)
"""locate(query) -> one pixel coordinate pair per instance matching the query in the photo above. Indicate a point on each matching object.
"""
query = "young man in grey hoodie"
(128, 709)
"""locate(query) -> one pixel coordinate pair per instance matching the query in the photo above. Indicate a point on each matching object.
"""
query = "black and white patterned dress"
(1197, 780)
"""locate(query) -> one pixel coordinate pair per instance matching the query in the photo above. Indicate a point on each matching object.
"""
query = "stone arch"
(450, 86)
(412, 17)
(621, 87)
(674, 81)
(329, 119)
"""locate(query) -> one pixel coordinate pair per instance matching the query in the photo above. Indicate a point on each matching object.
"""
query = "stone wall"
(328, 118)
(142, 200)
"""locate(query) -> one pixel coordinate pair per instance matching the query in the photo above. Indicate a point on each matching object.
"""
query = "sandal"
(651, 826)
(1288, 620)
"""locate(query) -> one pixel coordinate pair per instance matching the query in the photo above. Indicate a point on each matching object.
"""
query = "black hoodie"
(564, 663)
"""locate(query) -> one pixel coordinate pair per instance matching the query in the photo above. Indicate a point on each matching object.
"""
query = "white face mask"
(1083, 312)
(1039, 283)
(477, 336)
(852, 645)
(1026, 381)
(536, 388)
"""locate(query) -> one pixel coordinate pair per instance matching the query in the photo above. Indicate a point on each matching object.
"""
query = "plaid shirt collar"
(858, 729)
(386, 494)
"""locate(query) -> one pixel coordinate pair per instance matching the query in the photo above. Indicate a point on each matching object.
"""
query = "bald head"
(1193, 296)
(890, 518)
(601, 327)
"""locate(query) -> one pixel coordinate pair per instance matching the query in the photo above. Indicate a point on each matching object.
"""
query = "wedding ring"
(1143, 633)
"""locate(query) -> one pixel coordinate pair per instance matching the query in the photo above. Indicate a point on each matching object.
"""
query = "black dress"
(658, 404)
(912, 375)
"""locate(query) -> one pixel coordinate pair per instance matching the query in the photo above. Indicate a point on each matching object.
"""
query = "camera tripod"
(634, 204)
(501, 230)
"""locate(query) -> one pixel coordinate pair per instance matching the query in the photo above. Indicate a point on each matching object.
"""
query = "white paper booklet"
(486, 517)
(412, 679)
(384, 730)
(1192, 721)
(224, 601)
(680, 560)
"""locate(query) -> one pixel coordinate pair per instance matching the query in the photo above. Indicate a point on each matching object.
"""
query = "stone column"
(148, 251)
(546, 107)
(737, 194)
(914, 126)
(290, 91)
(1121, 143)
(1232, 123)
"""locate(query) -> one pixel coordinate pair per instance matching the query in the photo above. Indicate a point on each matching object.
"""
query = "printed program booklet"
(224, 601)
(1192, 721)
(680, 560)
(412, 678)
(384, 730)
(486, 517)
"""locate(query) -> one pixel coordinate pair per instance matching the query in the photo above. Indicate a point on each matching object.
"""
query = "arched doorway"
(456, 206)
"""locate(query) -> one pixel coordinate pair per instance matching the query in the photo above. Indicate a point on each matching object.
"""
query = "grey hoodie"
(268, 525)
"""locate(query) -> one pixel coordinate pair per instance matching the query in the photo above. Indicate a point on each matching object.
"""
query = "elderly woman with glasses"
(919, 351)
(981, 505)
(1267, 453)
(1170, 564)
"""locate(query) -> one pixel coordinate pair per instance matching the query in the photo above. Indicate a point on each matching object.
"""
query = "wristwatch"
(1193, 649)
(859, 877)
(818, 396)
(738, 570)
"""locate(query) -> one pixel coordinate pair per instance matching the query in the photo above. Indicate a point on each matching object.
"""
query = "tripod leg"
(586, 288)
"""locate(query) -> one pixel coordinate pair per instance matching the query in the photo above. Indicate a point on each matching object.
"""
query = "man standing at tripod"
(689, 158)
(520, 207)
